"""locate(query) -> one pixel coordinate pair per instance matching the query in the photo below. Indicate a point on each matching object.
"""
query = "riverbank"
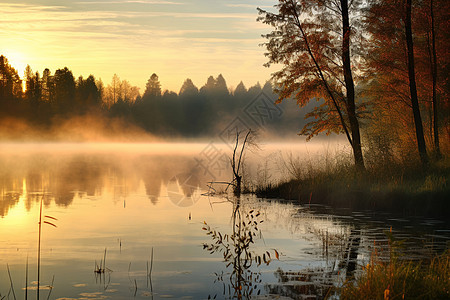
(398, 189)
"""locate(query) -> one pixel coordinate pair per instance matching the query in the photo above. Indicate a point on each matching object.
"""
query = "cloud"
(245, 5)
(131, 1)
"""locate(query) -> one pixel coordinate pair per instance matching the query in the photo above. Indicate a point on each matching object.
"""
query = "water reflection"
(68, 178)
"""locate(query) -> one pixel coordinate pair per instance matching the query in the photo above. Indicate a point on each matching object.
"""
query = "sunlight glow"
(17, 60)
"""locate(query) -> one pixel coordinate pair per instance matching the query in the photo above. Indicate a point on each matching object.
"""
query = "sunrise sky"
(176, 39)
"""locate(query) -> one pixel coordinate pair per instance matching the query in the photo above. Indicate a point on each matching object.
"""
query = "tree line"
(48, 99)
(380, 66)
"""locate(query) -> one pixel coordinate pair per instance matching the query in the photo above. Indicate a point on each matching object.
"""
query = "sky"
(176, 39)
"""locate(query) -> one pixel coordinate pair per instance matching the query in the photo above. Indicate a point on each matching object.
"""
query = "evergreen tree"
(152, 88)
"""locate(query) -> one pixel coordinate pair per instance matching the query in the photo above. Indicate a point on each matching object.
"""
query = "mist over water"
(69, 170)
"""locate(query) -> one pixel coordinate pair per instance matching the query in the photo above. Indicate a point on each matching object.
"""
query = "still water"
(142, 221)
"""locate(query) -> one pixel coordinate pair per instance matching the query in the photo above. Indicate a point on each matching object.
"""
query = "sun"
(17, 60)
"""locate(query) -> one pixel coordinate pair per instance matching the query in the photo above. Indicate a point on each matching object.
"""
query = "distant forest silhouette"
(49, 99)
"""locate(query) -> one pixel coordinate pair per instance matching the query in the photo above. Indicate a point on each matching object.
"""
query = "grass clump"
(402, 279)
(400, 188)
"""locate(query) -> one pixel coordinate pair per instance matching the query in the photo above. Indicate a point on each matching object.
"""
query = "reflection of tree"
(62, 178)
(189, 183)
(153, 175)
(8, 200)
(237, 253)
(336, 243)
(158, 171)
(316, 282)
(66, 177)
(8, 196)
(81, 174)
(34, 184)
(152, 186)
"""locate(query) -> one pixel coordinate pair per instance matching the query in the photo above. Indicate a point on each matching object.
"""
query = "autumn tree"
(412, 84)
(433, 67)
(313, 42)
(112, 91)
(430, 23)
(128, 92)
(403, 69)
(118, 91)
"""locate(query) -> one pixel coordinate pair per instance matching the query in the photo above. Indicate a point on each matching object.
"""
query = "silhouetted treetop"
(64, 90)
(209, 85)
(153, 87)
(87, 94)
(188, 88)
(240, 89)
(221, 85)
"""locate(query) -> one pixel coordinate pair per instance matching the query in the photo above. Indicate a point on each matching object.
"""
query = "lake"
(144, 221)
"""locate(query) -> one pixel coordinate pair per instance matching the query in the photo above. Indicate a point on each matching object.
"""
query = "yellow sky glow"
(174, 39)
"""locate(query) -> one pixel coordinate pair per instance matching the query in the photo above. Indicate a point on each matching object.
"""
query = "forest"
(49, 100)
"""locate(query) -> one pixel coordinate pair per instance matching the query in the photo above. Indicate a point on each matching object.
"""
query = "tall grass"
(401, 279)
(397, 186)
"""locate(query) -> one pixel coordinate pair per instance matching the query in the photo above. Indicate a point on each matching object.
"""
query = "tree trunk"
(237, 187)
(437, 149)
(350, 87)
(413, 89)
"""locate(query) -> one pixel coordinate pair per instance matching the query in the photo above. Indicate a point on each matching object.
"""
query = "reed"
(26, 280)
(100, 269)
(46, 220)
(11, 289)
(149, 274)
(51, 287)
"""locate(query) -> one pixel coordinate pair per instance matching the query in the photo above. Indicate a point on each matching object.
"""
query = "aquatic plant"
(237, 253)
(100, 268)
(46, 221)
(11, 283)
(100, 271)
(149, 273)
(237, 165)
